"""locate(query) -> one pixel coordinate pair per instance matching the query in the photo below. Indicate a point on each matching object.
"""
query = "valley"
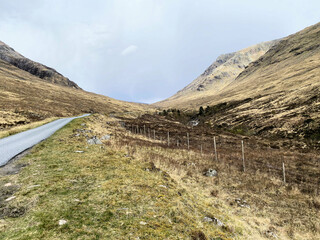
(233, 155)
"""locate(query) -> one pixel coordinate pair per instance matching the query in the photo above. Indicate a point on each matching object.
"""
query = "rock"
(143, 223)
(211, 173)
(214, 220)
(271, 234)
(83, 124)
(242, 203)
(62, 222)
(79, 151)
(10, 198)
(218, 222)
(8, 184)
(207, 219)
(94, 140)
(163, 186)
(106, 137)
(194, 123)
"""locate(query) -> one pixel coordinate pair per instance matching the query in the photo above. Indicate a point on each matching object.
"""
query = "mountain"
(275, 96)
(278, 93)
(25, 97)
(217, 76)
(9, 55)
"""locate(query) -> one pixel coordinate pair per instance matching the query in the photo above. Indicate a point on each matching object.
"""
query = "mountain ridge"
(9, 55)
(218, 75)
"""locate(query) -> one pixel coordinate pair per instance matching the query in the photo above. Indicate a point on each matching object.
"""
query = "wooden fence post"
(284, 172)
(215, 149)
(144, 129)
(243, 163)
(188, 140)
(168, 138)
(201, 149)
(154, 134)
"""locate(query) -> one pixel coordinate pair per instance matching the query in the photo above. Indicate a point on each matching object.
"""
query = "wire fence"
(243, 154)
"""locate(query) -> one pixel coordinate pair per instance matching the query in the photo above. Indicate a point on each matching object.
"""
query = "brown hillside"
(281, 90)
(278, 94)
(25, 98)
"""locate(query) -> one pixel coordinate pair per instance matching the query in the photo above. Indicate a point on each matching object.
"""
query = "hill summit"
(48, 74)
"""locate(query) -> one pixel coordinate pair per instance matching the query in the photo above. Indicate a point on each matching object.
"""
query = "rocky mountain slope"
(9, 55)
(217, 76)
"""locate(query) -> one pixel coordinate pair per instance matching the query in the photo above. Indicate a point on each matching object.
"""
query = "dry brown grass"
(23, 127)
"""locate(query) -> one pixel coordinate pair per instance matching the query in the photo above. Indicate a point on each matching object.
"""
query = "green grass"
(102, 194)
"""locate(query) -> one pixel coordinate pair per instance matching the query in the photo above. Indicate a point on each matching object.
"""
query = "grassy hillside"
(25, 98)
(281, 88)
(277, 95)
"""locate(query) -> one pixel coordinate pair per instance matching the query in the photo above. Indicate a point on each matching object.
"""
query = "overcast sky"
(144, 50)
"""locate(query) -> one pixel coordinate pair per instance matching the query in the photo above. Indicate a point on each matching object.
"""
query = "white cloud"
(129, 50)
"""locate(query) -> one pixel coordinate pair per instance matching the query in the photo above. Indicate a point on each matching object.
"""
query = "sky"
(144, 50)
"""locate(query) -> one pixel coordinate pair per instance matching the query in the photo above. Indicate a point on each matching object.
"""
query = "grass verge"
(18, 129)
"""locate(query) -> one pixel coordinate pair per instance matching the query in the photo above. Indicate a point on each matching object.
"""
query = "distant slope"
(9, 55)
(25, 98)
(279, 93)
(217, 76)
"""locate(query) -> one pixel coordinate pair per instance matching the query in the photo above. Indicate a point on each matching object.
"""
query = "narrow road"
(13, 145)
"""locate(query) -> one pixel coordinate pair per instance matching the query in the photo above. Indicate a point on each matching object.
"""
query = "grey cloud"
(171, 42)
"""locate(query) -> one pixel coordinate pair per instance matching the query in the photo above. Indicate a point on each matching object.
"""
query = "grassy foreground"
(103, 193)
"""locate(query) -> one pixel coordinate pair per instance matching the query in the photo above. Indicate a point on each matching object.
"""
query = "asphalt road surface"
(13, 145)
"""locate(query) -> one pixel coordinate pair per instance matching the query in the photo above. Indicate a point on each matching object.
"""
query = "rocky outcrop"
(9, 55)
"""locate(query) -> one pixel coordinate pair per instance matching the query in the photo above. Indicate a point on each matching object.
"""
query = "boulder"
(211, 173)
(106, 137)
(94, 140)
(214, 220)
